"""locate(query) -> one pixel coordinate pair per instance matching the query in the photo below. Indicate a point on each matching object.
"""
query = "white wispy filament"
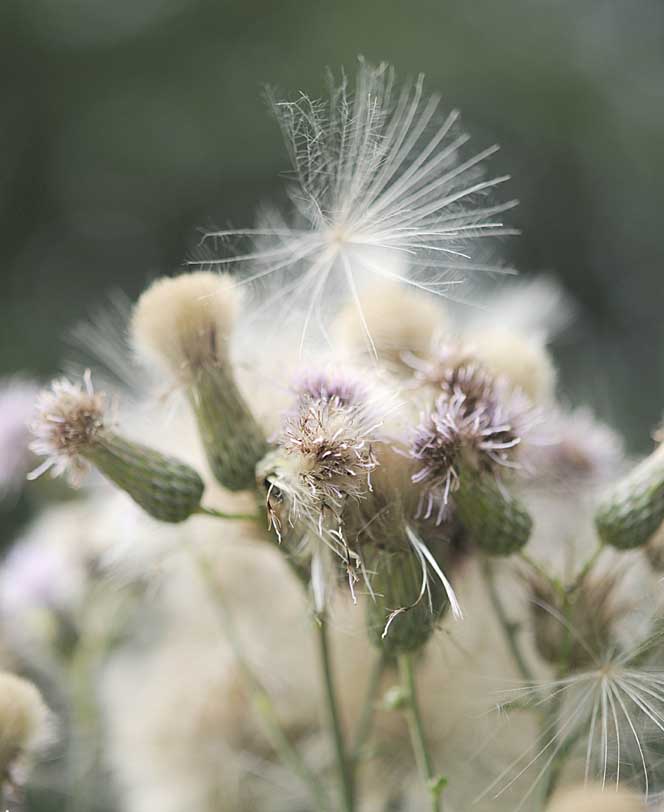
(379, 187)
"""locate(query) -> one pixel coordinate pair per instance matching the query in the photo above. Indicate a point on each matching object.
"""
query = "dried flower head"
(378, 175)
(326, 456)
(339, 388)
(70, 416)
(71, 433)
(183, 323)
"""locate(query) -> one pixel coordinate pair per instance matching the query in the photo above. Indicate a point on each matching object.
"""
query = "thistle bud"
(184, 325)
(408, 591)
(70, 431)
(633, 511)
(495, 520)
(574, 630)
(24, 722)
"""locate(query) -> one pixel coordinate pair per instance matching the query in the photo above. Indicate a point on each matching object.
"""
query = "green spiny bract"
(633, 511)
(495, 520)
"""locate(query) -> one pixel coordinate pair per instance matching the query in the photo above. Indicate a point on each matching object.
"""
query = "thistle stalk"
(334, 717)
(434, 783)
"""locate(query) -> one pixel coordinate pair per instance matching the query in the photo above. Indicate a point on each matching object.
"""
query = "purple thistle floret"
(476, 423)
(325, 387)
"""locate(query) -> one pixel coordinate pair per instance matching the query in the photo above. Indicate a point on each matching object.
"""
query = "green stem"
(260, 698)
(590, 563)
(510, 629)
(219, 514)
(416, 729)
(343, 763)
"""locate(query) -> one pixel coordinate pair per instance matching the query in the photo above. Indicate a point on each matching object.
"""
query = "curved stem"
(259, 696)
(510, 629)
(417, 736)
(343, 763)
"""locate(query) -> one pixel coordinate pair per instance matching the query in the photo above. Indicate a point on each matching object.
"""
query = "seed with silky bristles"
(71, 432)
(633, 511)
(496, 521)
(184, 324)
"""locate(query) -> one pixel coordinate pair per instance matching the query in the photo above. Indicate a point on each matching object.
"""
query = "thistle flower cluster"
(388, 468)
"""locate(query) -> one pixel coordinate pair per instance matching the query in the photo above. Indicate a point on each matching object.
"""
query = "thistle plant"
(400, 458)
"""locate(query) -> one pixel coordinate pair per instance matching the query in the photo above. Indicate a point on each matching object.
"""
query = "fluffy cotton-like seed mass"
(184, 323)
(595, 799)
(23, 721)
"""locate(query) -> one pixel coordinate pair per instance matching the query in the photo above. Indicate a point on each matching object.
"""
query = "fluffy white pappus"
(25, 728)
(68, 418)
(182, 324)
(595, 799)
(17, 399)
(537, 307)
(576, 448)
(379, 177)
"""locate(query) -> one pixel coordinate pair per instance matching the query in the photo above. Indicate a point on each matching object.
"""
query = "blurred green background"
(128, 124)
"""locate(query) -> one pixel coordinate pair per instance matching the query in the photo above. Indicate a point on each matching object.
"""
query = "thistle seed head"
(183, 324)
(24, 723)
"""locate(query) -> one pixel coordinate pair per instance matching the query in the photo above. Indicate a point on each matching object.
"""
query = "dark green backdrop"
(127, 124)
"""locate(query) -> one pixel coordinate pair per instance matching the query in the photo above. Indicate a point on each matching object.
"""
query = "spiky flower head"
(24, 728)
(71, 431)
(69, 419)
(184, 324)
(378, 176)
(475, 425)
(324, 457)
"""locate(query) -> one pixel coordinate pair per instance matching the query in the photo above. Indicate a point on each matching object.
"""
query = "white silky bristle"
(23, 720)
(184, 322)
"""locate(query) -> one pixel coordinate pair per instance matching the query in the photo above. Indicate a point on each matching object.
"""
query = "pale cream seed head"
(518, 358)
(183, 323)
(23, 722)
(595, 799)
(400, 320)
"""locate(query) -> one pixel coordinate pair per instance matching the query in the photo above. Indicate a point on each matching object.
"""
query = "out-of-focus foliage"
(126, 125)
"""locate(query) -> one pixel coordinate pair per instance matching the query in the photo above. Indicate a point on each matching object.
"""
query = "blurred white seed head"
(17, 398)
(183, 324)
(518, 358)
(595, 799)
(24, 725)
(400, 320)
(68, 419)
